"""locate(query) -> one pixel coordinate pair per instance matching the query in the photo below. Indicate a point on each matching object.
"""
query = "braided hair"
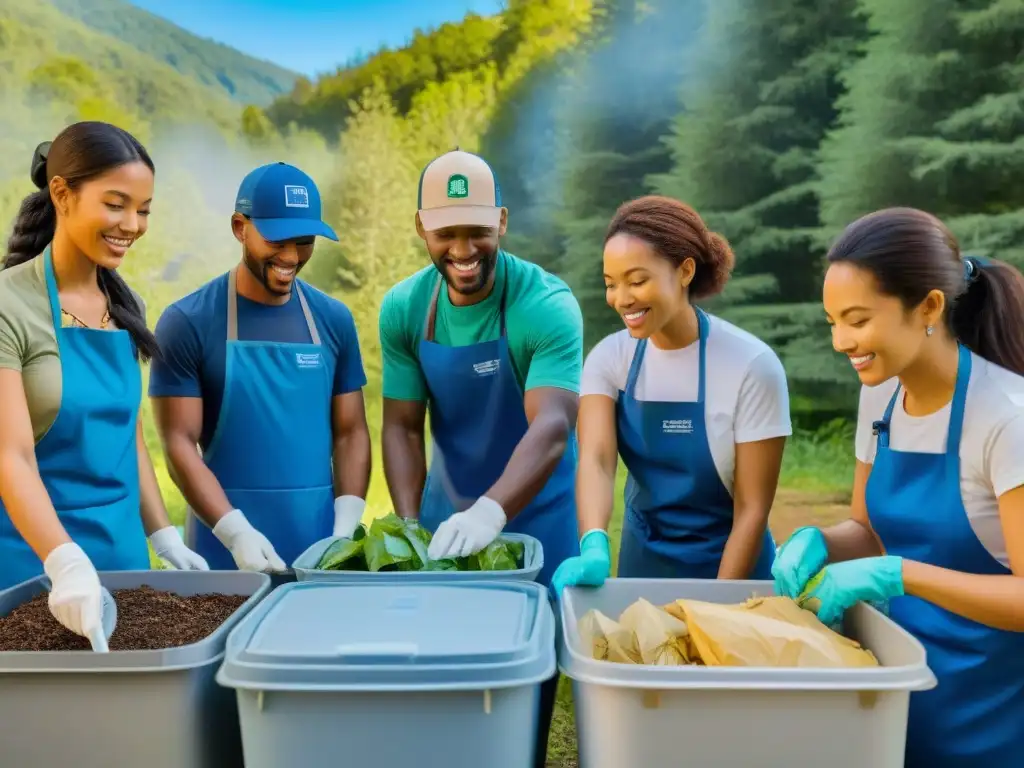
(81, 152)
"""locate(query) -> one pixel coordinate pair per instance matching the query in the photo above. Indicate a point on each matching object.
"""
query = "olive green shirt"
(28, 342)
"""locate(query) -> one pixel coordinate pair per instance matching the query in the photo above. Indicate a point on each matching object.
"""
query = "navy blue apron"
(678, 513)
(272, 448)
(88, 459)
(974, 718)
(477, 419)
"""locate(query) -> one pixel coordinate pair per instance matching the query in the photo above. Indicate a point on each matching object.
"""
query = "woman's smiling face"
(646, 289)
(876, 332)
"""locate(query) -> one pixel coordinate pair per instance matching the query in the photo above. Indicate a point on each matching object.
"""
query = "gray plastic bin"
(533, 563)
(153, 709)
(392, 675)
(638, 715)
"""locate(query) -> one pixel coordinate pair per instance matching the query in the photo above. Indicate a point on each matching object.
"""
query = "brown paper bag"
(766, 632)
(662, 639)
(607, 639)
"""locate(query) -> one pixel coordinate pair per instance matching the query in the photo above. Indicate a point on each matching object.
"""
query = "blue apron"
(678, 512)
(974, 718)
(477, 419)
(272, 448)
(88, 459)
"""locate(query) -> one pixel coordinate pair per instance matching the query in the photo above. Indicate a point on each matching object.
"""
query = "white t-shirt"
(991, 445)
(746, 397)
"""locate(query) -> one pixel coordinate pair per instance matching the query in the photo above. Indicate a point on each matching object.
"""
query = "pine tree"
(535, 50)
(757, 107)
(934, 118)
(613, 109)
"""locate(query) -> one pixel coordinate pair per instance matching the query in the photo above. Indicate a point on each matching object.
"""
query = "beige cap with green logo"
(459, 189)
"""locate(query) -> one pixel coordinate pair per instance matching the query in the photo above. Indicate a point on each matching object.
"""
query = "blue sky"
(312, 36)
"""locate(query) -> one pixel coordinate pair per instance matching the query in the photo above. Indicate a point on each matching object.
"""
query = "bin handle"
(378, 649)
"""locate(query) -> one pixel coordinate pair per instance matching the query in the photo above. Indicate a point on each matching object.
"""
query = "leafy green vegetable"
(387, 552)
(394, 544)
(496, 556)
(341, 552)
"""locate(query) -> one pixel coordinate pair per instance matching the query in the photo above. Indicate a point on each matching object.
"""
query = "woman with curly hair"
(697, 408)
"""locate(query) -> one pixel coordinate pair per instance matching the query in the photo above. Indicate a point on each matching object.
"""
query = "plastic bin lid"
(385, 636)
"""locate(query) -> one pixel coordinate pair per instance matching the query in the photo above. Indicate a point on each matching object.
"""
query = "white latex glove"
(466, 533)
(250, 548)
(348, 511)
(167, 544)
(75, 597)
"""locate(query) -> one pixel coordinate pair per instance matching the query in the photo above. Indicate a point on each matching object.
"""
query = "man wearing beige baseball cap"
(492, 346)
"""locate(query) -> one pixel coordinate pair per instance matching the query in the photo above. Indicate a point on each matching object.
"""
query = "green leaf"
(341, 553)
(441, 565)
(387, 552)
(419, 538)
(497, 556)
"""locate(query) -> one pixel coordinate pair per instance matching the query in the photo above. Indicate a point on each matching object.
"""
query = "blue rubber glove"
(590, 568)
(801, 556)
(872, 579)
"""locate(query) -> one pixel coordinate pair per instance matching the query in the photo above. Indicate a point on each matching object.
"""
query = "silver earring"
(928, 331)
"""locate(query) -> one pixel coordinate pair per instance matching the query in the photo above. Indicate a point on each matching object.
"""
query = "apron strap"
(956, 411)
(428, 325)
(51, 287)
(703, 328)
(310, 324)
(881, 428)
(431, 320)
(233, 309)
(232, 306)
(634, 367)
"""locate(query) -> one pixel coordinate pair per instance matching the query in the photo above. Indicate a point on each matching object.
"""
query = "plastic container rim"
(586, 670)
(124, 661)
(241, 633)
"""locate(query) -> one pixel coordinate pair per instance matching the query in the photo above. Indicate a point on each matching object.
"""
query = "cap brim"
(279, 230)
(460, 216)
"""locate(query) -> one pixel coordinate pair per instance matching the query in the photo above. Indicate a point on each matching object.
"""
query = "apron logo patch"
(677, 426)
(486, 368)
(458, 185)
(307, 360)
(295, 196)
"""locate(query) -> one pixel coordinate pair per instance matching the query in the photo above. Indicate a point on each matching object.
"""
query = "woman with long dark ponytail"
(937, 525)
(77, 487)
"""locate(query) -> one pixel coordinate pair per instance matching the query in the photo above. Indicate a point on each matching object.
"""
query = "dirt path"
(796, 508)
(792, 509)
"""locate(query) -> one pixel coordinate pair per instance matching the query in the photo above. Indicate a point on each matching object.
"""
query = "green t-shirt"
(28, 342)
(542, 319)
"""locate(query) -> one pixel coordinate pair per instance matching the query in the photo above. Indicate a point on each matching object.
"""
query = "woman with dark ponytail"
(77, 487)
(937, 525)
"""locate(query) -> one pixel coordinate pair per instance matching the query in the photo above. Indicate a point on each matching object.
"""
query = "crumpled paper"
(662, 639)
(760, 632)
(608, 640)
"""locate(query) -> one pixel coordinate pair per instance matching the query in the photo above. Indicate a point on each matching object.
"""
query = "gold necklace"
(77, 323)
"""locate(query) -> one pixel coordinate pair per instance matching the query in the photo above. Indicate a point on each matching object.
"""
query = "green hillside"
(51, 58)
(243, 78)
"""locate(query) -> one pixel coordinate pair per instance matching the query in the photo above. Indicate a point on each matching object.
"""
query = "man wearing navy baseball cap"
(258, 394)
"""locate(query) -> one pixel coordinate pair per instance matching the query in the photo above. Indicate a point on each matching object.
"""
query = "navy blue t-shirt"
(192, 333)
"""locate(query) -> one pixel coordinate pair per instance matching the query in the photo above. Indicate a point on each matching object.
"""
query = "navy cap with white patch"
(283, 203)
